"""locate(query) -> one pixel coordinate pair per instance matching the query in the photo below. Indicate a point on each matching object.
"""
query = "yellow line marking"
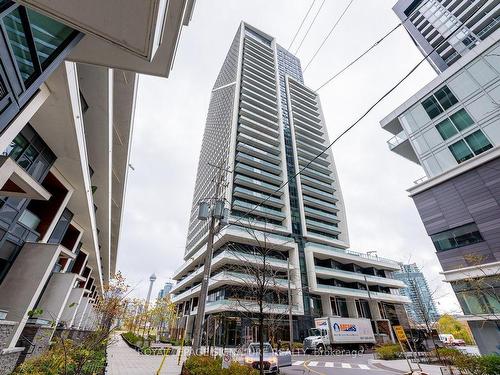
(310, 369)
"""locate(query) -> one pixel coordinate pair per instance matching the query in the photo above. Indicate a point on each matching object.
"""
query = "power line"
(328, 35)
(301, 24)
(311, 25)
(387, 93)
(360, 56)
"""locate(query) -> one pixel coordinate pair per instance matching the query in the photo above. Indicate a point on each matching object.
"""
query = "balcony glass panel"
(48, 35)
(19, 44)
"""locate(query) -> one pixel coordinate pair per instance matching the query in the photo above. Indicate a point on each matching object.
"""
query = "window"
(432, 107)
(446, 129)
(458, 121)
(439, 102)
(35, 41)
(445, 97)
(478, 142)
(461, 119)
(461, 151)
(454, 238)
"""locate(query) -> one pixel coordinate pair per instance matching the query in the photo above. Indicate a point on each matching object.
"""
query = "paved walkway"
(401, 366)
(122, 360)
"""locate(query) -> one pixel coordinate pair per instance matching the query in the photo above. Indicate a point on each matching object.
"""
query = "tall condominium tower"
(429, 22)
(451, 127)
(422, 309)
(264, 125)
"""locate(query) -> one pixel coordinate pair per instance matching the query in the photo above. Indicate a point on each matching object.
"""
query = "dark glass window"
(446, 129)
(445, 97)
(35, 41)
(457, 237)
(439, 102)
(48, 35)
(432, 107)
(16, 147)
(478, 142)
(461, 151)
(20, 44)
(61, 227)
(461, 119)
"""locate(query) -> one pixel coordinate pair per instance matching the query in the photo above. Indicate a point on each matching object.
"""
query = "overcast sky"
(170, 118)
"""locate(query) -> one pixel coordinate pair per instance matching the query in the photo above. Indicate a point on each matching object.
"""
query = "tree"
(88, 355)
(260, 283)
(451, 325)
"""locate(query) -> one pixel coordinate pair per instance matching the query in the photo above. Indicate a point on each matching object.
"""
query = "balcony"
(320, 214)
(400, 144)
(258, 173)
(257, 197)
(256, 184)
(329, 228)
(359, 277)
(349, 256)
(258, 210)
(350, 292)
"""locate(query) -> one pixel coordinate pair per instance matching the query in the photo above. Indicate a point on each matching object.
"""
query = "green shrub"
(388, 351)
(132, 338)
(69, 359)
(471, 364)
(206, 365)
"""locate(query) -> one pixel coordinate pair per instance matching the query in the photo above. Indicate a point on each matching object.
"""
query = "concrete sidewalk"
(122, 360)
(401, 366)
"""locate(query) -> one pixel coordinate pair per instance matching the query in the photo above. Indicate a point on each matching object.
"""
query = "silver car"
(272, 361)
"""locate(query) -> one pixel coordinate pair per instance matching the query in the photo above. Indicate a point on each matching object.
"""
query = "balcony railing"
(397, 139)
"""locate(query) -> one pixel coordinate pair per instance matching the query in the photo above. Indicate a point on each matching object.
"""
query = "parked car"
(271, 361)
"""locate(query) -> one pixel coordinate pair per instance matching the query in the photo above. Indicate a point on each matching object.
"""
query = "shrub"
(132, 338)
(471, 364)
(206, 365)
(388, 351)
(68, 359)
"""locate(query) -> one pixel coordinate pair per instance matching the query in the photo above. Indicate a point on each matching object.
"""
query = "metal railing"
(397, 139)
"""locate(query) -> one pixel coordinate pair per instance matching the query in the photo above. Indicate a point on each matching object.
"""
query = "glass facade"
(439, 102)
(478, 296)
(457, 237)
(18, 225)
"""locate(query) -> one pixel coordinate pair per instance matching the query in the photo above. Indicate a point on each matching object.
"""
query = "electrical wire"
(387, 93)
(310, 26)
(301, 24)
(328, 35)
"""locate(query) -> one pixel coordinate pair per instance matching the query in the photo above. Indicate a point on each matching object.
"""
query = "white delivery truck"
(330, 332)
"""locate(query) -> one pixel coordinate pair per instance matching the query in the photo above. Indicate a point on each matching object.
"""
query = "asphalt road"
(333, 365)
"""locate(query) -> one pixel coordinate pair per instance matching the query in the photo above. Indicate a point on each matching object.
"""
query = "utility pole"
(216, 211)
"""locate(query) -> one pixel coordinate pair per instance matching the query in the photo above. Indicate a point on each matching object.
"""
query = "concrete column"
(82, 307)
(326, 305)
(71, 307)
(24, 282)
(374, 310)
(88, 317)
(55, 296)
(351, 308)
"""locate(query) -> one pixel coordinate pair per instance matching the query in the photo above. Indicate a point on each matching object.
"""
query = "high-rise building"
(430, 22)
(422, 309)
(451, 127)
(165, 291)
(264, 125)
(68, 80)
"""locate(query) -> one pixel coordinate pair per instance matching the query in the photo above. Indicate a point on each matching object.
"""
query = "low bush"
(132, 338)
(388, 351)
(206, 365)
(471, 364)
(66, 358)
